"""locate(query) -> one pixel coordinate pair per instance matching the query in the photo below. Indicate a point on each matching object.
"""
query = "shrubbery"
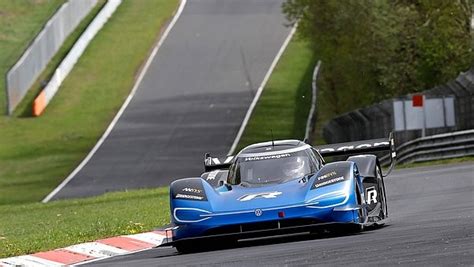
(373, 50)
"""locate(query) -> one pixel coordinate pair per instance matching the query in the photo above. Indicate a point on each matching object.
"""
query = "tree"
(372, 50)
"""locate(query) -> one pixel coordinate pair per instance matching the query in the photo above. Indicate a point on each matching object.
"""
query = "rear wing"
(221, 163)
(361, 147)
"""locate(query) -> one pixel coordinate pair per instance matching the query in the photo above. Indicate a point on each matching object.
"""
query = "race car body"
(278, 187)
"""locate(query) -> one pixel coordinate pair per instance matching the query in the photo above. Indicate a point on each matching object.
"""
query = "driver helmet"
(294, 167)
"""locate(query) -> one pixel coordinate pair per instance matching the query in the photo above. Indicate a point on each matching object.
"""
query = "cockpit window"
(259, 169)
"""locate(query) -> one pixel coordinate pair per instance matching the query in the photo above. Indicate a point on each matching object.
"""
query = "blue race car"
(280, 187)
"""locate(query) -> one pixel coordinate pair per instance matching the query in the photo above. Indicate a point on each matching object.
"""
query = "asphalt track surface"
(431, 223)
(192, 99)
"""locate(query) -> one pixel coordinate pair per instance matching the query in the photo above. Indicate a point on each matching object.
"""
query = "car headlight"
(190, 215)
(328, 200)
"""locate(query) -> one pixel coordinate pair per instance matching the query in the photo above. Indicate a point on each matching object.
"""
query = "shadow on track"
(320, 234)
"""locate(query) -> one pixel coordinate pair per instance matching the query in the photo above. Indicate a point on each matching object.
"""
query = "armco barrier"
(33, 61)
(70, 60)
(310, 123)
(435, 147)
(377, 121)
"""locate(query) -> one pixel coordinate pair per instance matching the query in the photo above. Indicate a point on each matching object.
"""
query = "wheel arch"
(370, 170)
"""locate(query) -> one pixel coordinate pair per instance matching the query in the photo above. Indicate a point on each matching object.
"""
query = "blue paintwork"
(332, 203)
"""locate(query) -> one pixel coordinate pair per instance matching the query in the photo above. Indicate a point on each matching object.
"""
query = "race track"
(431, 224)
(192, 99)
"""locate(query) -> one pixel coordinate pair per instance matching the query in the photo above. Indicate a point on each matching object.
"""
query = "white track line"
(260, 89)
(125, 254)
(122, 109)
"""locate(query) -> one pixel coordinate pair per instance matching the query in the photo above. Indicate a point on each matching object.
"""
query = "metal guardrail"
(310, 123)
(377, 120)
(435, 147)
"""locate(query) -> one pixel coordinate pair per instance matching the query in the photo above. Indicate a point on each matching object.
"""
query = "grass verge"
(285, 102)
(38, 153)
(20, 22)
(37, 227)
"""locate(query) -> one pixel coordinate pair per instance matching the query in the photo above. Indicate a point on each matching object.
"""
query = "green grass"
(37, 227)
(20, 22)
(285, 102)
(38, 153)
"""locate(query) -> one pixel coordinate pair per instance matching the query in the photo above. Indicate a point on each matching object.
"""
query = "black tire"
(355, 228)
(187, 247)
(361, 203)
(382, 191)
(383, 211)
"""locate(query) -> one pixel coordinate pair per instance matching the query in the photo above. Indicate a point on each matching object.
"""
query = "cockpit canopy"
(273, 164)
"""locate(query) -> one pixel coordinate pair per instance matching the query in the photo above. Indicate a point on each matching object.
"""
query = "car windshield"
(273, 168)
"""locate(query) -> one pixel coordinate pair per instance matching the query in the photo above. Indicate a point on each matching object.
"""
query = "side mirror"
(228, 186)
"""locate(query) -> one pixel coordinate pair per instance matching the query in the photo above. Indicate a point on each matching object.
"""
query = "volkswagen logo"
(258, 212)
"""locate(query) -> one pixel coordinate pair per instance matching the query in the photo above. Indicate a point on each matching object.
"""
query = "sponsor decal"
(351, 147)
(371, 194)
(330, 181)
(278, 156)
(189, 189)
(259, 195)
(327, 175)
(258, 212)
(189, 197)
(212, 175)
(192, 190)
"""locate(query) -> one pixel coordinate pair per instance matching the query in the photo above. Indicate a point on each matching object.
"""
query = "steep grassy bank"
(38, 153)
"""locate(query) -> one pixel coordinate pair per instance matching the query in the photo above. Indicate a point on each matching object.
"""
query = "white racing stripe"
(122, 109)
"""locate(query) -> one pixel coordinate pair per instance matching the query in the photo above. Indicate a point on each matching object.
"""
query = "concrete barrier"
(26, 70)
(73, 56)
